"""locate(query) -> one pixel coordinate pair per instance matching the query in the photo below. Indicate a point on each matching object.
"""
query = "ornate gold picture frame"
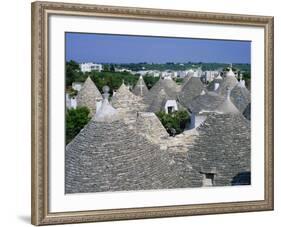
(41, 12)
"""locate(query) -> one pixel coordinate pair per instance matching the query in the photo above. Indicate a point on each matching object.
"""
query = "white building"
(182, 74)
(209, 76)
(190, 72)
(174, 74)
(70, 102)
(153, 73)
(89, 66)
(171, 106)
(143, 72)
(123, 70)
(197, 73)
(169, 73)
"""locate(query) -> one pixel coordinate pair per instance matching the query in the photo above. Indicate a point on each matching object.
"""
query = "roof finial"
(227, 106)
(230, 72)
(105, 90)
(106, 112)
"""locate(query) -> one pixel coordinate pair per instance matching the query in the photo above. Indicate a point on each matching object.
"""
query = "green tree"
(73, 65)
(76, 119)
(73, 73)
(174, 122)
(247, 78)
(72, 92)
(179, 80)
(113, 79)
(150, 81)
(112, 68)
(106, 68)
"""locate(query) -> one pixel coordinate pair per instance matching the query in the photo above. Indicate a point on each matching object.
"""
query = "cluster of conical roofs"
(125, 146)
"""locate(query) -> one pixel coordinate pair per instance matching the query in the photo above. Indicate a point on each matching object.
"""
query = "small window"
(208, 179)
(170, 109)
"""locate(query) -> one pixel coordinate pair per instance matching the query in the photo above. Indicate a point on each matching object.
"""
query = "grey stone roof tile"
(140, 88)
(207, 102)
(158, 104)
(111, 157)
(126, 102)
(228, 82)
(170, 87)
(223, 145)
(241, 97)
(88, 95)
(190, 90)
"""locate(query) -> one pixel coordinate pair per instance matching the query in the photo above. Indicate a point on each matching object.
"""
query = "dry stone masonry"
(222, 148)
(88, 96)
(240, 96)
(190, 90)
(169, 86)
(125, 146)
(112, 157)
(140, 89)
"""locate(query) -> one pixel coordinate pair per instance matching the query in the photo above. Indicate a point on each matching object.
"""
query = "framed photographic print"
(146, 113)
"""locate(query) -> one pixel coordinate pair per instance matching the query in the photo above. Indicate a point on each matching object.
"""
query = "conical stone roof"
(227, 106)
(170, 87)
(188, 176)
(240, 96)
(88, 95)
(190, 90)
(186, 79)
(126, 102)
(228, 82)
(158, 104)
(111, 157)
(149, 126)
(140, 88)
(207, 102)
(223, 148)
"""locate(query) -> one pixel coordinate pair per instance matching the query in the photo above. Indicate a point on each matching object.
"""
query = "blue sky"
(84, 47)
